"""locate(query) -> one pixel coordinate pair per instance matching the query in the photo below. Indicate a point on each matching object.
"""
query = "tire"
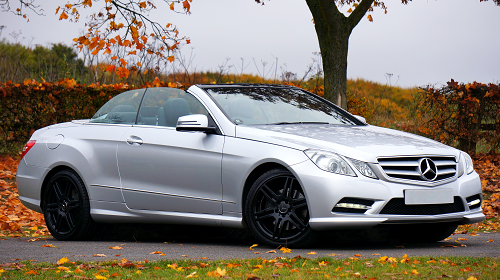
(66, 207)
(276, 210)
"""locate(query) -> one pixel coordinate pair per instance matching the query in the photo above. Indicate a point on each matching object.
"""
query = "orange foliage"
(123, 30)
(14, 217)
(463, 113)
(488, 167)
(32, 105)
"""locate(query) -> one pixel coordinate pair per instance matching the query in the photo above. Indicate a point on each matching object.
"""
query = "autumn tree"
(120, 29)
(125, 27)
(333, 29)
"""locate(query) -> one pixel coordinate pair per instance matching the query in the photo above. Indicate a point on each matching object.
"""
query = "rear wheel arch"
(51, 174)
(66, 206)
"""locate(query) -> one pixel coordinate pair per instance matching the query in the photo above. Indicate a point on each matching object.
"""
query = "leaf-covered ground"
(17, 220)
(355, 267)
(488, 168)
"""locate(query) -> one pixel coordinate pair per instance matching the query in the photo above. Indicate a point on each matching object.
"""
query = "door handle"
(134, 141)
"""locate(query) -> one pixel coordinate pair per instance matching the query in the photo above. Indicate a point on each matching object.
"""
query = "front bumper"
(324, 190)
(353, 222)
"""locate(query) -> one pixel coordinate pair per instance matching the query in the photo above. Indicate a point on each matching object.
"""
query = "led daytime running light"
(352, 205)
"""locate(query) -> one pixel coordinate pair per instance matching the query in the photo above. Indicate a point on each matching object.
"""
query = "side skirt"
(116, 212)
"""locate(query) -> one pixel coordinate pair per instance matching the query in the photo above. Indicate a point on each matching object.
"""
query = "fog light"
(353, 206)
(474, 202)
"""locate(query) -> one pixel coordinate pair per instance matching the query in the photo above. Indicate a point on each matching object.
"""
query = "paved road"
(218, 247)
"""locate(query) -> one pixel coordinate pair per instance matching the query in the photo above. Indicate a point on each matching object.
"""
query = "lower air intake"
(397, 206)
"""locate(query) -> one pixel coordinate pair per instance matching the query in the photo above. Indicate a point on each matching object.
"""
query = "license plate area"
(419, 197)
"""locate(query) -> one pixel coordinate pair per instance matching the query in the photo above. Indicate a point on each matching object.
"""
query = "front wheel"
(276, 210)
(66, 207)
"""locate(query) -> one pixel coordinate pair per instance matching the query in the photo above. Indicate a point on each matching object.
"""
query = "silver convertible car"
(276, 160)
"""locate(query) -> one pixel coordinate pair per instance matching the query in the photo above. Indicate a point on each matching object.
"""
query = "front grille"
(412, 168)
(351, 200)
(397, 206)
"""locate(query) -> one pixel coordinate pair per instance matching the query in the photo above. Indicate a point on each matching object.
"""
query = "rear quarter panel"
(88, 149)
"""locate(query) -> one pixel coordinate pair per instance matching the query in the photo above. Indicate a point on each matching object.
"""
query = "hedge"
(461, 114)
(31, 105)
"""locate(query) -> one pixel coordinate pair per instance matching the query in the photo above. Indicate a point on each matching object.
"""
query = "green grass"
(356, 267)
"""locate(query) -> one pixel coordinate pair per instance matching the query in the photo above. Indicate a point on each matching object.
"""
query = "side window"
(121, 109)
(163, 106)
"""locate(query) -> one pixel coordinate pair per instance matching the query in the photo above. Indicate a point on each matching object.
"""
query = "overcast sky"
(425, 42)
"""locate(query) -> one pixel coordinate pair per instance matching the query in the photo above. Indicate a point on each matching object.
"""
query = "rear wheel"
(66, 207)
(276, 210)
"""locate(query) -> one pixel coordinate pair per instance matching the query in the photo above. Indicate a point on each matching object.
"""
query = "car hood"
(364, 143)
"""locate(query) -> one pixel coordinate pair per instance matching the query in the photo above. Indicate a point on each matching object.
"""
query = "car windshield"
(276, 105)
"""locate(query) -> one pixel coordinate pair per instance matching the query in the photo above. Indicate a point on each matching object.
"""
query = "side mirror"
(196, 122)
(361, 119)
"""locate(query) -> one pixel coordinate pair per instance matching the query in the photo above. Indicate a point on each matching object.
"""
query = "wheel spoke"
(69, 188)
(57, 191)
(298, 203)
(267, 192)
(53, 207)
(69, 220)
(278, 228)
(58, 220)
(288, 188)
(297, 222)
(263, 214)
(73, 204)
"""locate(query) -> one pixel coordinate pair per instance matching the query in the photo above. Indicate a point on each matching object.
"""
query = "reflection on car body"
(277, 160)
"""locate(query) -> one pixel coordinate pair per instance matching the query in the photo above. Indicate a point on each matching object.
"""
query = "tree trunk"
(333, 30)
(334, 55)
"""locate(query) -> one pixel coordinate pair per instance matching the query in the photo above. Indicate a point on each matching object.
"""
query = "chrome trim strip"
(402, 172)
(103, 186)
(417, 156)
(444, 162)
(177, 195)
(401, 163)
(114, 124)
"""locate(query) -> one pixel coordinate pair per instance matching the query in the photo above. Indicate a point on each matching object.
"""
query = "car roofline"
(243, 85)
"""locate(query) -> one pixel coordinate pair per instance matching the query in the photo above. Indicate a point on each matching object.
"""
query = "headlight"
(330, 162)
(469, 165)
(364, 168)
(465, 164)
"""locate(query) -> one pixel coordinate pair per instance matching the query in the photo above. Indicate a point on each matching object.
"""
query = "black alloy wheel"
(276, 210)
(66, 207)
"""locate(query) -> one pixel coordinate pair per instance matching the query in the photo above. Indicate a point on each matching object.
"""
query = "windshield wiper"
(280, 123)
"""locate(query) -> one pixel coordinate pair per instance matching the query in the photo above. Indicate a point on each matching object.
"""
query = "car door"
(98, 140)
(162, 169)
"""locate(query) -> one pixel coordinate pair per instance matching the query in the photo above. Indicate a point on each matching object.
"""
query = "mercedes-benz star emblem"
(428, 169)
